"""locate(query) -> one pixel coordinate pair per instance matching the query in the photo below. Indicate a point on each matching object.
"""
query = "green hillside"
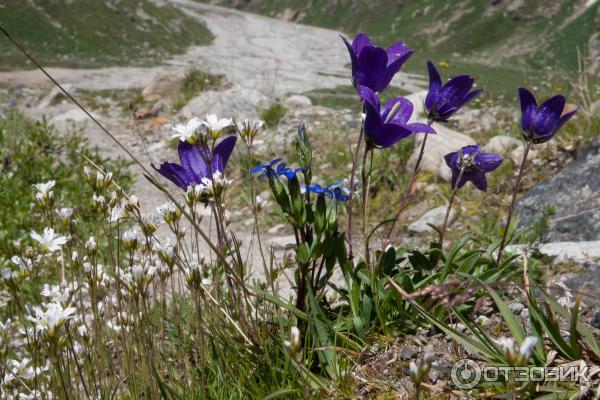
(501, 42)
(94, 33)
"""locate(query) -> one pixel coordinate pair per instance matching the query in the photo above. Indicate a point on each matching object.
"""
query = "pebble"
(516, 308)
(595, 322)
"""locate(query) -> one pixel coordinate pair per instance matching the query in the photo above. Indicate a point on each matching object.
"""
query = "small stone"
(409, 352)
(524, 314)
(434, 217)
(501, 144)
(282, 243)
(595, 322)
(161, 86)
(275, 228)
(298, 101)
(516, 308)
(483, 321)
(444, 172)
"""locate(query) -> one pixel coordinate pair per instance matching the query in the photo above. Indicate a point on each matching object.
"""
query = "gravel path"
(253, 51)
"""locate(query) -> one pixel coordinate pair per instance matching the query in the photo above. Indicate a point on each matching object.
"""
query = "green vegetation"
(195, 82)
(34, 153)
(345, 96)
(272, 115)
(96, 33)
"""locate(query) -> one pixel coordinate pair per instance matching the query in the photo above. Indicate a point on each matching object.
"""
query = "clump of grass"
(194, 82)
(273, 114)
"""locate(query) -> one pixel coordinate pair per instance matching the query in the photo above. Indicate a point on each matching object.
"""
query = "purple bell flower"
(194, 167)
(540, 124)
(373, 66)
(384, 127)
(443, 100)
(475, 163)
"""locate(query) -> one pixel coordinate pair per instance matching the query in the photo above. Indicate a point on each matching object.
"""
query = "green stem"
(512, 202)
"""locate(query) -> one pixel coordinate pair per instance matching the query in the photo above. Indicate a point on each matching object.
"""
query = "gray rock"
(162, 85)
(516, 308)
(445, 141)
(297, 101)
(282, 243)
(434, 217)
(595, 321)
(484, 321)
(501, 144)
(408, 352)
(444, 172)
(56, 92)
(235, 102)
(574, 193)
(586, 284)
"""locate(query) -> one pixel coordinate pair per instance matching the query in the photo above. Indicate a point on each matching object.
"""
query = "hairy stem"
(454, 190)
(512, 202)
(351, 194)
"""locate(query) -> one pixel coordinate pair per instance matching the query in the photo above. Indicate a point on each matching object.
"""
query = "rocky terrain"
(264, 61)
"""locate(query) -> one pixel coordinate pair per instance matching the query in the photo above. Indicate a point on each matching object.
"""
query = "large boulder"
(235, 102)
(574, 193)
(163, 85)
(445, 141)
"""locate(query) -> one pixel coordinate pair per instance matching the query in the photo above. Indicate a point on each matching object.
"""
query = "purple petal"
(175, 173)
(397, 51)
(546, 119)
(451, 159)
(455, 175)
(372, 63)
(435, 87)
(418, 127)
(467, 98)
(191, 161)
(222, 152)
(402, 113)
(353, 57)
(565, 118)
(397, 54)
(373, 118)
(488, 161)
(478, 179)
(360, 42)
(526, 99)
(455, 89)
(471, 149)
(390, 134)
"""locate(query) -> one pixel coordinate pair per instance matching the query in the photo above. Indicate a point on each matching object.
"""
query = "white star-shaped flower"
(52, 317)
(44, 188)
(185, 132)
(216, 125)
(50, 241)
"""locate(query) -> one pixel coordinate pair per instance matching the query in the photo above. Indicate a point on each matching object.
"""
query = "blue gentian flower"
(194, 167)
(276, 167)
(288, 172)
(373, 66)
(266, 167)
(476, 164)
(384, 127)
(336, 191)
(443, 101)
(540, 124)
